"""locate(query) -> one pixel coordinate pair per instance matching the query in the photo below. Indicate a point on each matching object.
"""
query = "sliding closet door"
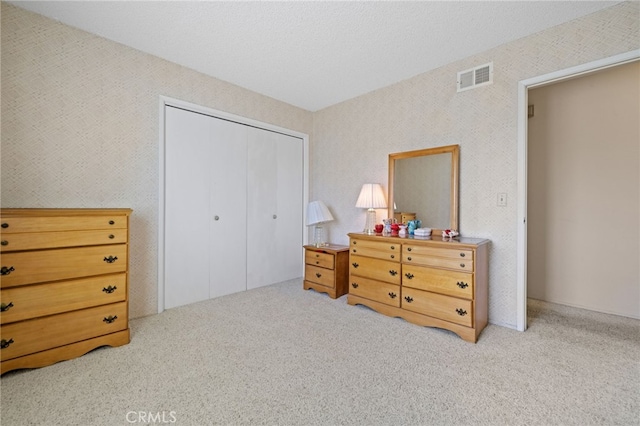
(187, 187)
(205, 207)
(274, 203)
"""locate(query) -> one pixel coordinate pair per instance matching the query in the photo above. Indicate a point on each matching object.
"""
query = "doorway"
(523, 88)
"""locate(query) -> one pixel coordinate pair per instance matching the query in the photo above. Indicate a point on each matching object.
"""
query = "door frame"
(523, 91)
(168, 101)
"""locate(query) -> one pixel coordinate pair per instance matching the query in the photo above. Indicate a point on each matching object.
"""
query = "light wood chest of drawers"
(428, 282)
(326, 269)
(63, 284)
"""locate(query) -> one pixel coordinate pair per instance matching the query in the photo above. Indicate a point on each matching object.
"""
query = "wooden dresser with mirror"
(429, 281)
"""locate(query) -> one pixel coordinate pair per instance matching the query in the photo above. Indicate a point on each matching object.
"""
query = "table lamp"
(318, 214)
(371, 197)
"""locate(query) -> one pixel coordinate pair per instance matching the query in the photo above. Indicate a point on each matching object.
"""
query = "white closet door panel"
(228, 208)
(187, 137)
(290, 208)
(262, 215)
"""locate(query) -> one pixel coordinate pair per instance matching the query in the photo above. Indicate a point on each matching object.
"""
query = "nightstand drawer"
(317, 258)
(319, 275)
(452, 309)
(378, 291)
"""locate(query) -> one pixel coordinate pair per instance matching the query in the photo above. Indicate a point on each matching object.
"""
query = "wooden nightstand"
(326, 269)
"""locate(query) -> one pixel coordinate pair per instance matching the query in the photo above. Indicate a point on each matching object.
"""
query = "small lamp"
(317, 214)
(371, 197)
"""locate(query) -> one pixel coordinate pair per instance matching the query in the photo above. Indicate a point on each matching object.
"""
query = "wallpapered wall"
(80, 129)
(352, 140)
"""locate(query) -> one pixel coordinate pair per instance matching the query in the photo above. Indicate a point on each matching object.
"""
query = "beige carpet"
(280, 355)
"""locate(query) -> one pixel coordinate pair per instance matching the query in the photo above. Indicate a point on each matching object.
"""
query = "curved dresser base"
(466, 333)
(64, 353)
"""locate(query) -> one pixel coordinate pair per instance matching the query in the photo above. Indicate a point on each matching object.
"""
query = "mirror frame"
(454, 150)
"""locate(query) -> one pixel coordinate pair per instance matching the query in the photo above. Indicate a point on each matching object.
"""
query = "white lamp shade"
(317, 212)
(371, 197)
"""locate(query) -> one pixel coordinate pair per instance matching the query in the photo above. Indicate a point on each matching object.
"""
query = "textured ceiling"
(313, 54)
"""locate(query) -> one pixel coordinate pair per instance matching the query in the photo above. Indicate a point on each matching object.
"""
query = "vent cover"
(475, 77)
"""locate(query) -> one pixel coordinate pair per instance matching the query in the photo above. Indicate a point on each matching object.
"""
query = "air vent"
(475, 77)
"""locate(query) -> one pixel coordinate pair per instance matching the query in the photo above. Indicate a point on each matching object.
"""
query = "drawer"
(449, 253)
(378, 291)
(12, 225)
(447, 308)
(45, 240)
(26, 337)
(377, 249)
(61, 264)
(318, 258)
(381, 270)
(319, 275)
(25, 302)
(452, 283)
(461, 260)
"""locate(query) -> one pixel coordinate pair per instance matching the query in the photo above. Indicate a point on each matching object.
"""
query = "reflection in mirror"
(425, 182)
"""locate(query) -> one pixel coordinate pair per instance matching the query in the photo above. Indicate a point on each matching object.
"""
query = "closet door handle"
(275, 216)
(216, 217)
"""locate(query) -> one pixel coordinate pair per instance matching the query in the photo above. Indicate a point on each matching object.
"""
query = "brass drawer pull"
(408, 275)
(462, 265)
(318, 274)
(5, 243)
(5, 308)
(354, 285)
(6, 271)
(355, 265)
(393, 273)
(5, 225)
(110, 319)
(409, 299)
(461, 312)
(392, 295)
(4, 344)
(111, 236)
(461, 254)
(462, 284)
(109, 289)
(110, 259)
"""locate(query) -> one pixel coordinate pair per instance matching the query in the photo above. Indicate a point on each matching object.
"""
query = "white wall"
(584, 192)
